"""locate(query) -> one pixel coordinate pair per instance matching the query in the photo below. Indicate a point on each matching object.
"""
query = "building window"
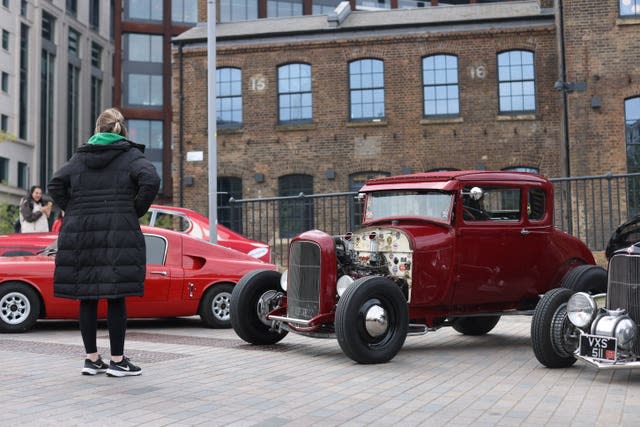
(324, 7)
(5, 3)
(228, 215)
(5, 82)
(529, 169)
(356, 205)
(47, 91)
(4, 170)
(23, 7)
(150, 134)
(366, 89)
(184, 11)
(373, 4)
(629, 7)
(516, 82)
(23, 175)
(94, 14)
(440, 90)
(73, 92)
(48, 26)
(23, 99)
(142, 69)
(283, 8)
(5, 39)
(143, 10)
(96, 83)
(296, 215)
(229, 97)
(294, 93)
(632, 137)
(238, 10)
(72, 7)
(4, 123)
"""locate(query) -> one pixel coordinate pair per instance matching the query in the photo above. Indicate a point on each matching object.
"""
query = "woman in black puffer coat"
(103, 189)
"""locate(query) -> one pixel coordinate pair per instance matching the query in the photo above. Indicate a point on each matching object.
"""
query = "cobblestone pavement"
(198, 376)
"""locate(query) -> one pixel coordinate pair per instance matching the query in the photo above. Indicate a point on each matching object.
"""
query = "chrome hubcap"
(14, 308)
(376, 321)
(267, 302)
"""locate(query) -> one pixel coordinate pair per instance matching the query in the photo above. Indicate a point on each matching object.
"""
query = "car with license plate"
(456, 248)
(599, 328)
(184, 277)
(169, 217)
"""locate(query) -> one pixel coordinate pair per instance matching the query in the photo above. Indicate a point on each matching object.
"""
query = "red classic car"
(185, 276)
(168, 217)
(436, 249)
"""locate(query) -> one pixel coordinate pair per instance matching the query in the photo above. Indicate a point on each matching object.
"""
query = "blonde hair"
(111, 120)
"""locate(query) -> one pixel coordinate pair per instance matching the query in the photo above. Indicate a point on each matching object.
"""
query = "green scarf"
(104, 138)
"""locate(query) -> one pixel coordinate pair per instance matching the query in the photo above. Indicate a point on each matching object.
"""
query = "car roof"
(447, 180)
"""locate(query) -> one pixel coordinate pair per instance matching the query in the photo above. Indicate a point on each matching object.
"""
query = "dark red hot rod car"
(436, 249)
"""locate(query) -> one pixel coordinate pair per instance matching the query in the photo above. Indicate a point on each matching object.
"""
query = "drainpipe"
(562, 74)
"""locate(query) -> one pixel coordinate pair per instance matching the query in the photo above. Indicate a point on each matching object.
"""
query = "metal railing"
(589, 208)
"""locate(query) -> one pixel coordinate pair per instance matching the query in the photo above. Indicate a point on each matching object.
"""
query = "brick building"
(318, 104)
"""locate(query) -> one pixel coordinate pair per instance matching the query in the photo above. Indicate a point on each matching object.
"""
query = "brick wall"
(479, 138)
(604, 52)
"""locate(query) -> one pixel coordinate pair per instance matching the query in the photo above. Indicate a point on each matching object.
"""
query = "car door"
(489, 246)
(162, 280)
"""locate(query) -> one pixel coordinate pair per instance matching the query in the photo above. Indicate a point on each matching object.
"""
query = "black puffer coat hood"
(103, 190)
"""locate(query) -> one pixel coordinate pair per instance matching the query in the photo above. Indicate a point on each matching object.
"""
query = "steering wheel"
(473, 214)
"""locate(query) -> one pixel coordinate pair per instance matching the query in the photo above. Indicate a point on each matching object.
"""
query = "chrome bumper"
(608, 365)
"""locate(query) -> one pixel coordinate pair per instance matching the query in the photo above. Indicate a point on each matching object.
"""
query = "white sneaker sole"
(90, 371)
(116, 373)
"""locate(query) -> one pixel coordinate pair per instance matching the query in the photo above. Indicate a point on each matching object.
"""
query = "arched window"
(356, 181)
(366, 89)
(229, 97)
(516, 82)
(440, 85)
(296, 214)
(294, 93)
(228, 215)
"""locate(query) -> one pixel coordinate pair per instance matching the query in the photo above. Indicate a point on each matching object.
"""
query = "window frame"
(436, 84)
(280, 94)
(371, 88)
(512, 81)
(233, 96)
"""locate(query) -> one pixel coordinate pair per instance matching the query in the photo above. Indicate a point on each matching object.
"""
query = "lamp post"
(211, 117)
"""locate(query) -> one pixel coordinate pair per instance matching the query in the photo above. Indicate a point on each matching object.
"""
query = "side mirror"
(476, 193)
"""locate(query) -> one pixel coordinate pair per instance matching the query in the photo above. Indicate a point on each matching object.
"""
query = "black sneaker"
(93, 368)
(124, 368)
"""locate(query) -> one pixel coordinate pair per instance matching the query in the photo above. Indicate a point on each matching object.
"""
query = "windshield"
(435, 205)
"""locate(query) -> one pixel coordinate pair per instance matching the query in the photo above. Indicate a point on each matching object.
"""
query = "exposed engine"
(376, 251)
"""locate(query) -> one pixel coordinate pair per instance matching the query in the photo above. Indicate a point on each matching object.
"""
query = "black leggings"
(116, 321)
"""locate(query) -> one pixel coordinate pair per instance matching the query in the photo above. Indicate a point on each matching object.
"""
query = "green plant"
(8, 215)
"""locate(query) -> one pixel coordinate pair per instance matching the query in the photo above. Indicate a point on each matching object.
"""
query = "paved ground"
(197, 376)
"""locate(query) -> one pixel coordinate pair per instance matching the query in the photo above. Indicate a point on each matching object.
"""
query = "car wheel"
(553, 336)
(215, 306)
(255, 295)
(19, 307)
(475, 325)
(372, 320)
(586, 278)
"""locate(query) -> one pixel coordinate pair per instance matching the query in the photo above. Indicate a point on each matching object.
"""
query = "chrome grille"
(624, 287)
(303, 289)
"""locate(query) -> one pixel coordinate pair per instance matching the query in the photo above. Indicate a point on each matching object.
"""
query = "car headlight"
(581, 309)
(283, 280)
(616, 323)
(343, 283)
(258, 252)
